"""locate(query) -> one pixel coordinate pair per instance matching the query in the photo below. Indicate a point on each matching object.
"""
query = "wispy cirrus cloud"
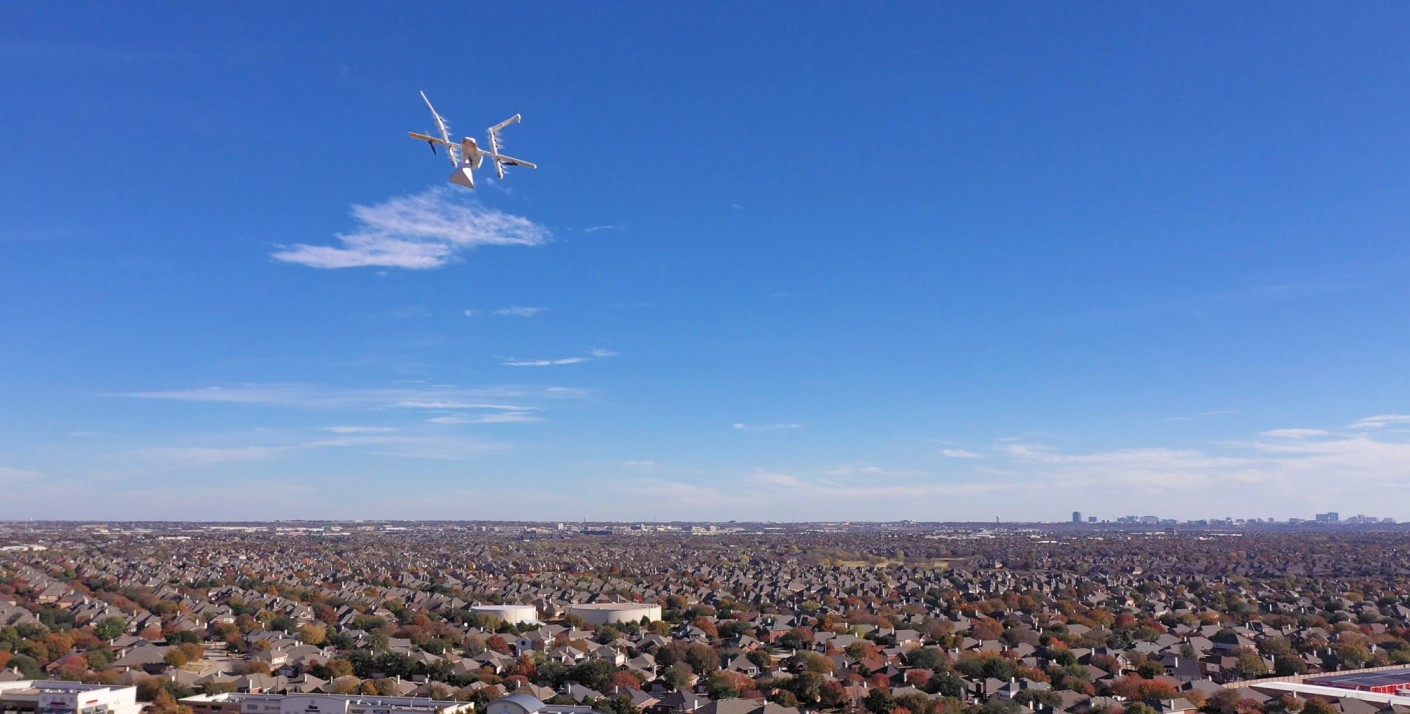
(517, 311)
(1294, 433)
(11, 476)
(958, 454)
(417, 232)
(498, 418)
(314, 396)
(544, 362)
(1217, 412)
(1282, 472)
(350, 429)
(591, 355)
(1381, 421)
(442, 405)
(787, 426)
(1288, 470)
(184, 457)
(413, 446)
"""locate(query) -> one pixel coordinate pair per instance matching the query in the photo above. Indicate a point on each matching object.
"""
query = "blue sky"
(784, 261)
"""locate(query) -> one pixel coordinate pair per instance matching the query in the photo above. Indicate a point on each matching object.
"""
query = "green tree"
(1353, 656)
(677, 675)
(621, 704)
(593, 674)
(1036, 697)
(110, 628)
(1250, 665)
(1286, 665)
(181, 637)
(806, 687)
(996, 705)
(931, 658)
(879, 701)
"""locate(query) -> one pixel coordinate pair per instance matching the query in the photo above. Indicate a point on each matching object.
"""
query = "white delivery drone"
(467, 155)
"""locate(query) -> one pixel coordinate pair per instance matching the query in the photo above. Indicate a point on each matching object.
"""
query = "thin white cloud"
(497, 418)
(1294, 433)
(543, 362)
(517, 311)
(308, 396)
(425, 230)
(766, 427)
(1381, 421)
(958, 454)
(277, 447)
(451, 419)
(778, 480)
(11, 476)
(442, 404)
(594, 229)
(186, 457)
(592, 355)
(350, 429)
(1289, 474)
(1217, 412)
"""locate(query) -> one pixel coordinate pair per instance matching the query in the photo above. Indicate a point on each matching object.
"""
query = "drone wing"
(452, 150)
(511, 161)
(500, 160)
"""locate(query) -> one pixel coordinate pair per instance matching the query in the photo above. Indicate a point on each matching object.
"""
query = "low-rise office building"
(235, 703)
(39, 696)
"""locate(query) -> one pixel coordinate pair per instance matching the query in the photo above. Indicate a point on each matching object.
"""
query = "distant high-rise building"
(1091, 519)
(1329, 517)
(1076, 516)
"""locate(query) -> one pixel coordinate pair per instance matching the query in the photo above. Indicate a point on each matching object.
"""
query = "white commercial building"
(526, 704)
(233, 703)
(54, 697)
(602, 613)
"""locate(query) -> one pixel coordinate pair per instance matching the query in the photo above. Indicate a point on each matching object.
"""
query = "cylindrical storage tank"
(602, 613)
(512, 614)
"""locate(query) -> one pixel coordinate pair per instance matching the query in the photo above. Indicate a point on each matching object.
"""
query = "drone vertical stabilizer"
(463, 175)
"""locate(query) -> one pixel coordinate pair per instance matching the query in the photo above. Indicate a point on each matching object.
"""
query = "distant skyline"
(786, 262)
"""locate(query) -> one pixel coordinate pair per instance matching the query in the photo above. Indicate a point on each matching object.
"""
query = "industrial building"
(1386, 681)
(603, 613)
(512, 614)
(526, 704)
(54, 697)
(235, 703)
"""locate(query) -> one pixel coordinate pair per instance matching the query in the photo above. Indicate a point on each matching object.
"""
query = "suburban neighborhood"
(737, 619)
